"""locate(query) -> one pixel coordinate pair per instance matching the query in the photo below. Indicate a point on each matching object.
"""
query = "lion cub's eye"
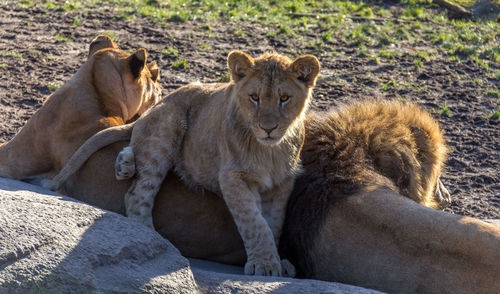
(255, 98)
(284, 98)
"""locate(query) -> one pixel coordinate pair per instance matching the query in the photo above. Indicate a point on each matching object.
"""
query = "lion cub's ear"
(238, 63)
(137, 62)
(307, 69)
(101, 42)
(154, 70)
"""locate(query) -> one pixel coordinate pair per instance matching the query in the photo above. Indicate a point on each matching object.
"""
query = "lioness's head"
(126, 83)
(272, 91)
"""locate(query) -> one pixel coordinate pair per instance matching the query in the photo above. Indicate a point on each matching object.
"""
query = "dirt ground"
(33, 64)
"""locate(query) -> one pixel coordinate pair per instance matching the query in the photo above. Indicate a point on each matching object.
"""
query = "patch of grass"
(112, 36)
(321, 21)
(3, 65)
(225, 78)
(53, 87)
(363, 52)
(327, 37)
(482, 63)
(388, 86)
(62, 38)
(76, 21)
(418, 62)
(12, 54)
(495, 115)
(67, 6)
(180, 64)
(492, 54)
(444, 111)
(424, 55)
(496, 76)
(360, 35)
(26, 3)
(285, 30)
(170, 51)
(239, 32)
(385, 39)
(420, 57)
(386, 54)
(205, 46)
(477, 81)
(494, 93)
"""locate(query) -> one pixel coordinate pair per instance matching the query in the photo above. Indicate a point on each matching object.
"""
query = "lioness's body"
(369, 236)
(101, 94)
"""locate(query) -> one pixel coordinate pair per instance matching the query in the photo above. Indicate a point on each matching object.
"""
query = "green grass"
(444, 111)
(76, 21)
(205, 47)
(494, 93)
(170, 51)
(388, 86)
(12, 54)
(3, 65)
(112, 36)
(224, 78)
(496, 75)
(319, 23)
(53, 87)
(65, 6)
(386, 54)
(495, 115)
(62, 38)
(180, 64)
(238, 32)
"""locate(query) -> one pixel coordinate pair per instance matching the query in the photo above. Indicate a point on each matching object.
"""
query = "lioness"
(110, 88)
(241, 140)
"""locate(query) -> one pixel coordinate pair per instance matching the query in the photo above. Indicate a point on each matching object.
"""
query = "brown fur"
(111, 88)
(369, 143)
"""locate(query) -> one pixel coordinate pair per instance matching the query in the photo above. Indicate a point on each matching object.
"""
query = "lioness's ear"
(307, 69)
(154, 70)
(238, 63)
(101, 42)
(137, 62)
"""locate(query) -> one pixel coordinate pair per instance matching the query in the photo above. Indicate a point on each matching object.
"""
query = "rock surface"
(50, 243)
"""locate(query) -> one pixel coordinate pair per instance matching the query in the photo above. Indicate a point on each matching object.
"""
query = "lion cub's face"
(124, 77)
(272, 91)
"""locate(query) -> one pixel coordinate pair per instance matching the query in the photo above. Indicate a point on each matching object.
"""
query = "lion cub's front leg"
(244, 203)
(274, 203)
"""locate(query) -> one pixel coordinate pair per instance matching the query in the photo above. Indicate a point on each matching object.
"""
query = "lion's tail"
(94, 143)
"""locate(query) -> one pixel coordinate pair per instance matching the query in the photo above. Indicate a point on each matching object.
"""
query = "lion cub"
(241, 140)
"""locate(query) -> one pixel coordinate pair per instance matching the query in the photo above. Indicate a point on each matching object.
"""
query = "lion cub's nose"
(268, 127)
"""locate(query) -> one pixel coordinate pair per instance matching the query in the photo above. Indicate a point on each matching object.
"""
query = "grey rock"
(51, 243)
(54, 244)
(214, 277)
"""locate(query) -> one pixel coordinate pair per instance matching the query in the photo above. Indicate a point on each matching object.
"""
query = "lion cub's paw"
(125, 164)
(261, 267)
(442, 195)
(287, 269)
